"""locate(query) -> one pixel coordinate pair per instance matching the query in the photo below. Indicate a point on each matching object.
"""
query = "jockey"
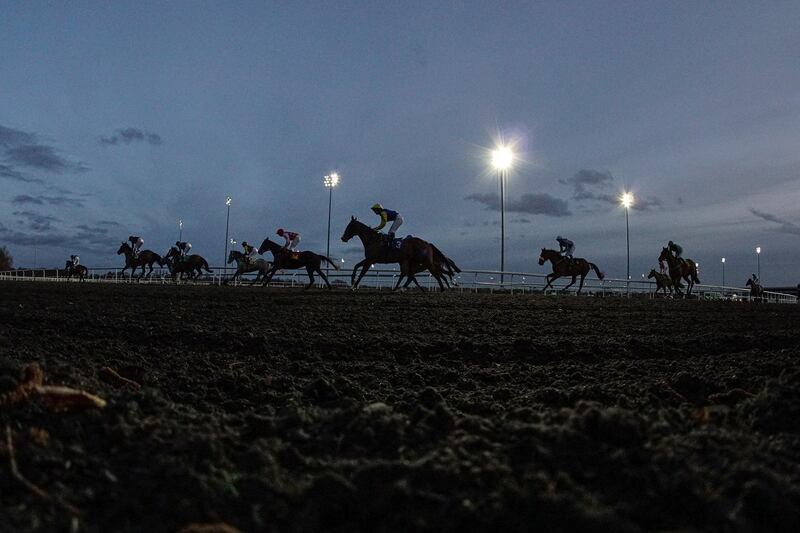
(249, 252)
(136, 244)
(567, 247)
(183, 247)
(387, 215)
(676, 249)
(755, 280)
(75, 260)
(292, 239)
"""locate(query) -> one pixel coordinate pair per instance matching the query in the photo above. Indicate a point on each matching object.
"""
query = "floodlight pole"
(227, 224)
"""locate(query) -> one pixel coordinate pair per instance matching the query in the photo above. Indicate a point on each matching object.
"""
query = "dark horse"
(145, 259)
(377, 252)
(289, 260)
(79, 270)
(680, 268)
(663, 282)
(191, 264)
(566, 267)
(244, 266)
(756, 290)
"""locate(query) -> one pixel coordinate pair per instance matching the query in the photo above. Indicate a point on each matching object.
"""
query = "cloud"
(24, 149)
(109, 223)
(785, 225)
(9, 172)
(597, 186)
(131, 135)
(529, 203)
(42, 199)
(36, 221)
(12, 137)
(43, 157)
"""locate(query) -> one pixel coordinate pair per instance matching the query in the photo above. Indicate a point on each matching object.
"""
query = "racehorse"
(244, 266)
(79, 270)
(663, 282)
(145, 259)
(756, 290)
(377, 252)
(191, 264)
(563, 266)
(289, 260)
(680, 268)
(417, 255)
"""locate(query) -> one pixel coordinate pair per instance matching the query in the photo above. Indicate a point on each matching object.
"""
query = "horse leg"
(353, 275)
(364, 269)
(324, 278)
(403, 273)
(271, 273)
(310, 270)
(580, 288)
(550, 279)
(570, 284)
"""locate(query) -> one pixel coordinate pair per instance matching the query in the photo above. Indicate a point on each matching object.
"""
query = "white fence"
(386, 278)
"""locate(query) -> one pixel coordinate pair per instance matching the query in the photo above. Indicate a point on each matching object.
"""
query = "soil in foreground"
(278, 410)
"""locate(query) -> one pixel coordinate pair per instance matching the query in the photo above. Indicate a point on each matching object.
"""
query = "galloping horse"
(244, 266)
(377, 252)
(663, 282)
(289, 260)
(565, 267)
(79, 270)
(191, 264)
(756, 290)
(417, 255)
(146, 258)
(680, 268)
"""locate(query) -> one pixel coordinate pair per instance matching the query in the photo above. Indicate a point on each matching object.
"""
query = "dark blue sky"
(117, 119)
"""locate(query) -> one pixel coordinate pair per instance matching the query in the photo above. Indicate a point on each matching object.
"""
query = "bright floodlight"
(331, 180)
(626, 199)
(758, 249)
(228, 201)
(502, 158)
(723, 259)
(233, 242)
(180, 224)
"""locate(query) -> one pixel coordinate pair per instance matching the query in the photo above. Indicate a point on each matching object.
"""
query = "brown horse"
(289, 260)
(756, 290)
(76, 270)
(563, 266)
(663, 282)
(417, 255)
(145, 259)
(377, 251)
(680, 268)
(193, 265)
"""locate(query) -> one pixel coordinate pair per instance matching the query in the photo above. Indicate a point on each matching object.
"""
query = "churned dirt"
(279, 410)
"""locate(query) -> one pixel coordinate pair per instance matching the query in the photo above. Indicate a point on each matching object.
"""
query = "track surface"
(277, 410)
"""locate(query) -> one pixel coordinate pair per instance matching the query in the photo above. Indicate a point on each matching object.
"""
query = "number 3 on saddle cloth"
(395, 244)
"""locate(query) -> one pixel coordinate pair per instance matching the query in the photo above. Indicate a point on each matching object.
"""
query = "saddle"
(396, 243)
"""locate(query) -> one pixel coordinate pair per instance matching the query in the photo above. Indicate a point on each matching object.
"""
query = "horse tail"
(205, 266)
(329, 260)
(446, 260)
(600, 275)
(694, 276)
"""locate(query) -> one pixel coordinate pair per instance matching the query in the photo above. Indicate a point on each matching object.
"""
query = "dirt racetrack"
(278, 410)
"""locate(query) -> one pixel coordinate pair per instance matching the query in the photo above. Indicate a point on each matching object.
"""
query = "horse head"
(350, 230)
(749, 283)
(652, 273)
(232, 257)
(665, 255)
(547, 255)
(268, 245)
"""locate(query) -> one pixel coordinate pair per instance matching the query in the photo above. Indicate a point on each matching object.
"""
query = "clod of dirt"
(732, 397)
(776, 408)
(321, 391)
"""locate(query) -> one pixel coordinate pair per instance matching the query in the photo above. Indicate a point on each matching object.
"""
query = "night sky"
(119, 119)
